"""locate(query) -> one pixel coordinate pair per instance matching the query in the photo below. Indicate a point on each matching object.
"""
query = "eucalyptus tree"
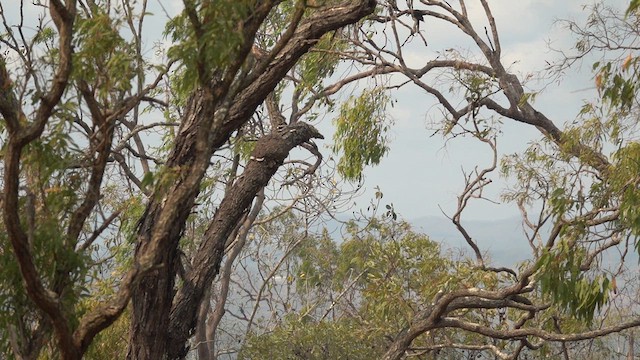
(76, 82)
(128, 176)
(358, 294)
(576, 188)
(579, 180)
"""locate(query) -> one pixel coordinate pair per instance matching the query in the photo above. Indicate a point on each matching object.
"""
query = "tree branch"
(268, 155)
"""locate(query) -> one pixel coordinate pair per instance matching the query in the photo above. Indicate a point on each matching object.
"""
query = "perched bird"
(417, 16)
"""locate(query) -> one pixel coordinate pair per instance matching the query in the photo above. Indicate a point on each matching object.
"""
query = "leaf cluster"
(361, 132)
(563, 279)
(205, 36)
(102, 56)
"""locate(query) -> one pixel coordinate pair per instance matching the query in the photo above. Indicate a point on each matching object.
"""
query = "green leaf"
(361, 130)
(633, 6)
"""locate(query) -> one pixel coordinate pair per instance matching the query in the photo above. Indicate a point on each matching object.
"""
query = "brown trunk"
(160, 230)
(398, 348)
(225, 279)
(153, 335)
(269, 154)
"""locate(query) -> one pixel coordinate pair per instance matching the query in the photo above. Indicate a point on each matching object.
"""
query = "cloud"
(420, 173)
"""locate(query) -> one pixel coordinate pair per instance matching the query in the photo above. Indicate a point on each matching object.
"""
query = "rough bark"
(161, 228)
(212, 114)
(209, 319)
(269, 154)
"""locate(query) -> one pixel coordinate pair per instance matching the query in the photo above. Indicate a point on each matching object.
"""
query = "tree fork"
(269, 154)
(207, 126)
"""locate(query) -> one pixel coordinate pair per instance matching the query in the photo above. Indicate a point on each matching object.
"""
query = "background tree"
(575, 179)
(358, 295)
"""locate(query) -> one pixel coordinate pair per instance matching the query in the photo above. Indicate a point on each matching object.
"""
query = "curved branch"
(488, 347)
(46, 300)
(63, 17)
(237, 246)
(268, 155)
(539, 333)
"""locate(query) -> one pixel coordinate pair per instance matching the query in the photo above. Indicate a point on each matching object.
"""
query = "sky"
(422, 175)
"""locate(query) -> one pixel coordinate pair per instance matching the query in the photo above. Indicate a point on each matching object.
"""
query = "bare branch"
(539, 333)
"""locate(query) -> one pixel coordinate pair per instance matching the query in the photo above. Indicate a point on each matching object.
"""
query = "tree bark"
(161, 228)
(208, 321)
(202, 341)
(211, 116)
(270, 152)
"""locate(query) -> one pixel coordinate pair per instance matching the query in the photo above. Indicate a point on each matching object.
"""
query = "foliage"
(361, 131)
(316, 341)
(320, 64)
(362, 290)
(206, 36)
(112, 343)
(562, 279)
(633, 6)
(101, 51)
(115, 204)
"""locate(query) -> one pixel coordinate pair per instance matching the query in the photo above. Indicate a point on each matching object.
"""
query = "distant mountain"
(502, 240)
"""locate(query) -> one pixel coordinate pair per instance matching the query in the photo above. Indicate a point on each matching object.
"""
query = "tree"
(575, 188)
(355, 297)
(578, 187)
(78, 81)
(105, 217)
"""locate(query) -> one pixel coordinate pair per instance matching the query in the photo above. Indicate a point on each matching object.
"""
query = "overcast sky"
(421, 174)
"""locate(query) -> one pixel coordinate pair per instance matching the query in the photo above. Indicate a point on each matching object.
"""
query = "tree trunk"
(160, 230)
(269, 153)
(211, 116)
